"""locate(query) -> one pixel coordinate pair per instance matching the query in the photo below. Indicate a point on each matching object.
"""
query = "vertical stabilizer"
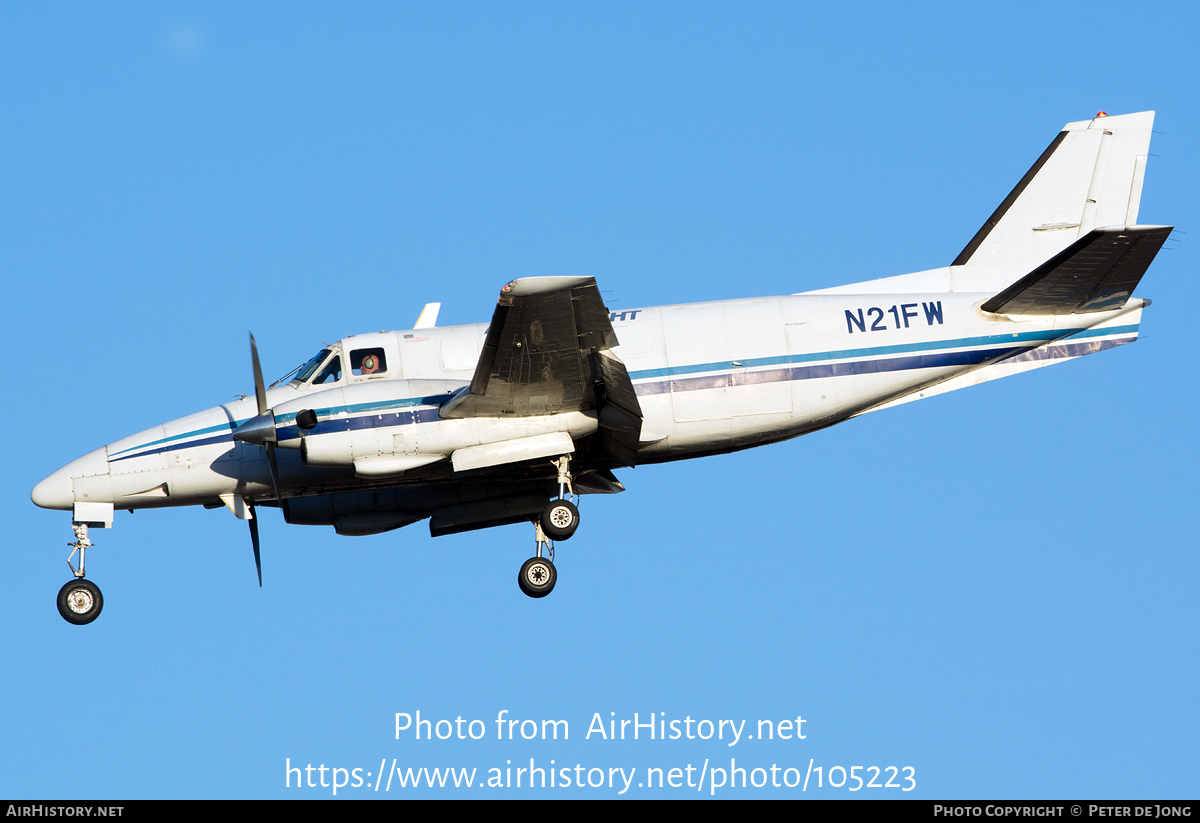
(1089, 177)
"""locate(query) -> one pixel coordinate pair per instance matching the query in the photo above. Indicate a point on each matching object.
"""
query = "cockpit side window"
(368, 362)
(332, 372)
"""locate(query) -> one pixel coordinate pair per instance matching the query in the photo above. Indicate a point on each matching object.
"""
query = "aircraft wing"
(546, 352)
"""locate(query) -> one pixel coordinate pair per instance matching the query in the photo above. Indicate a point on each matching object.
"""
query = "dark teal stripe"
(285, 419)
(877, 351)
(674, 371)
(226, 427)
(378, 406)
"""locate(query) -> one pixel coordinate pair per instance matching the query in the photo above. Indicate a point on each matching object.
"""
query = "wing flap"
(536, 358)
(620, 416)
(547, 352)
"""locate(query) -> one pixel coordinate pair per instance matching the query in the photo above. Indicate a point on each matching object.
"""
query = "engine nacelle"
(332, 450)
(385, 428)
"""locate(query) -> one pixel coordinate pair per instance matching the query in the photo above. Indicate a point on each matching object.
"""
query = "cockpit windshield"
(306, 371)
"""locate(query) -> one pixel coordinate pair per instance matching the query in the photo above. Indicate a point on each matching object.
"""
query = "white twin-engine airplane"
(482, 425)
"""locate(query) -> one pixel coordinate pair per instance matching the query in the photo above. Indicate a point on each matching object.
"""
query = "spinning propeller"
(260, 431)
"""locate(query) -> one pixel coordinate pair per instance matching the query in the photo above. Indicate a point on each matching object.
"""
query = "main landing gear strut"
(558, 521)
(80, 601)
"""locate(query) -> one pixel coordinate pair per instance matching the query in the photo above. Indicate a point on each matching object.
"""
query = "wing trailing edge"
(547, 352)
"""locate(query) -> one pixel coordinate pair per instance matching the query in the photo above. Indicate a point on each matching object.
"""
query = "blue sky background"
(996, 587)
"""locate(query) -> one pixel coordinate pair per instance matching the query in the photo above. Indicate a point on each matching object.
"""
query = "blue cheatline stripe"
(844, 354)
(376, 406)
(206, 441)
(1132, 329)
(878, 351)
(224, 427)
(842, 369)
(1063, 350)
(726, 376)
(376, 421)
(282, 420)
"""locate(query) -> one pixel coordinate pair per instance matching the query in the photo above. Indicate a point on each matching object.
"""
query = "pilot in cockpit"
(367, 362)
(370, 364)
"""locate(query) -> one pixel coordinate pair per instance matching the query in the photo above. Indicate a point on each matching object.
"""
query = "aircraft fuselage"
(710, 378)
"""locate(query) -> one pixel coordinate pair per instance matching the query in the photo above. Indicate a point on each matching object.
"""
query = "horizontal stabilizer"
(1098, 272)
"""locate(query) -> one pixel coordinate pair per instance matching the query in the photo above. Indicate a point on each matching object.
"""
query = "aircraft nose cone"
(55, 492)
(58, 490)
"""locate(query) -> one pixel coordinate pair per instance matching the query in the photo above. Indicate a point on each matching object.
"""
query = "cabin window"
(368, 362)
(332, 372)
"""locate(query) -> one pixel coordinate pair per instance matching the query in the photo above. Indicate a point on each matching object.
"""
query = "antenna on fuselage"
(428, 318)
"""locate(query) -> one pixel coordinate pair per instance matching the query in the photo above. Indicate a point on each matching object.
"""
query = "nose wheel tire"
(537, 577)
(80, 601)
(560, 519)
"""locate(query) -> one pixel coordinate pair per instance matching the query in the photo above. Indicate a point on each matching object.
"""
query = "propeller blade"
(260, 389)
(274, 467)
(261, 431)
(253, 521)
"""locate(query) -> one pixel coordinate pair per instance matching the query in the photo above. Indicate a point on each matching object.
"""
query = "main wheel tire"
(560, 519)
(537, 577)
(80, 601)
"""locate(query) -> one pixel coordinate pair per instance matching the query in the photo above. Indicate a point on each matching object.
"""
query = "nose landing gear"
(80, 601)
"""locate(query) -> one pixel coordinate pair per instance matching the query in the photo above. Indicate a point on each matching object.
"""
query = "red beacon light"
(1102, 114)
